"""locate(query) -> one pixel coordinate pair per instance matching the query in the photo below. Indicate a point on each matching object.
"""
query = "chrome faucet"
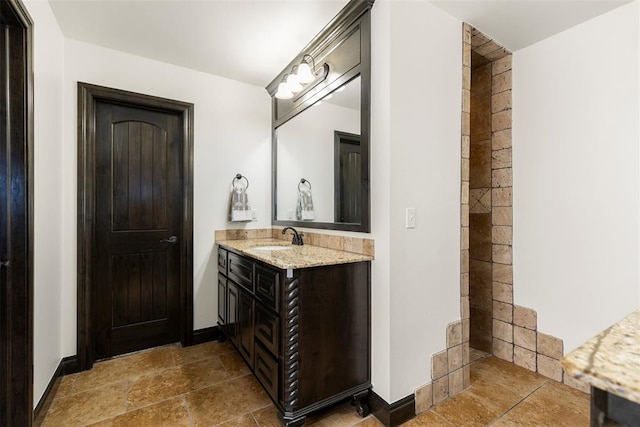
(297, 238)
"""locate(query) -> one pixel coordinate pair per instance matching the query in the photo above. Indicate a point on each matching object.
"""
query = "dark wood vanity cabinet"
(305, 333)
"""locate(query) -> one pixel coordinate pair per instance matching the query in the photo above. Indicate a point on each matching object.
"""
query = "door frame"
(16, 300)
(88, 96)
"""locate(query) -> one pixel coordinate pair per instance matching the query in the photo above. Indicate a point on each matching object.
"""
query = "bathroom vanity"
(610, 363)
(300, 318)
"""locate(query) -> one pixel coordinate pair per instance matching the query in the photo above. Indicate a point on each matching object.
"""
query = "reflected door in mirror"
(347, 177)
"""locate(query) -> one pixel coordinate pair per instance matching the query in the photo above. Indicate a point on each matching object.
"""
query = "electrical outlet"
(411, 218)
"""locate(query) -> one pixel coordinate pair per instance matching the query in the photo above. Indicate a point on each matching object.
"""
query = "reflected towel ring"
(304, 181)
(237, 178)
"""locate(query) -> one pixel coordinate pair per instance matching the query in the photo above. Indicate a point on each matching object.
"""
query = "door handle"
(4, 263)
(172, 239)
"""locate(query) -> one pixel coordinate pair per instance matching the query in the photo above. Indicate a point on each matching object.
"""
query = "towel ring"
(237, 178)
(304, 181)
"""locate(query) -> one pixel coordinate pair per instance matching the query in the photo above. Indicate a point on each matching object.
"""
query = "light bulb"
(293, 83)
(305, 75)
(283, 91)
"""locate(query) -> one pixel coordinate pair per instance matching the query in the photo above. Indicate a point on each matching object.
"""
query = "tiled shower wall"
(513, 329)
(480, 282)
(488, 318)
(490, 198)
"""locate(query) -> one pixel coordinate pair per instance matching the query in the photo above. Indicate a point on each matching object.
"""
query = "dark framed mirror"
(321, 135)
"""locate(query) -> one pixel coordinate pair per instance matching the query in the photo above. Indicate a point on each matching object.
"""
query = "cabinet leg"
(359, 400)
(292, 422)
(222, 337)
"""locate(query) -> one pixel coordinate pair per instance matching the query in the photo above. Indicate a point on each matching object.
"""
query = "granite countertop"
(610, 361)
(295, 256)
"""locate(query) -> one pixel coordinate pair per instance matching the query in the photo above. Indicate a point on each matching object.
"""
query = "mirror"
(322, 144)
(321, 134)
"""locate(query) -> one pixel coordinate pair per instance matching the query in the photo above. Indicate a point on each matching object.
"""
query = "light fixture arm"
(306, 57)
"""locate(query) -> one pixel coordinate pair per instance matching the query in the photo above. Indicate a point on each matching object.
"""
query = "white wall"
(426, 93)
(576, 181)
(415, 162)
(48, 89)
(232, 135)
(380, 171)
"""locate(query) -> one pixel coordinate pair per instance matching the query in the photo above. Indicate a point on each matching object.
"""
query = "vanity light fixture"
(293, 81)
(306, 70)
(284, 91)
(301, 74)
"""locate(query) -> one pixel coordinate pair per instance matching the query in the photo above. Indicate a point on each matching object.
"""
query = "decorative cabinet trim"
(291, 345)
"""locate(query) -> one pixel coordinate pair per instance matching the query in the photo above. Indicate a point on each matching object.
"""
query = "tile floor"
(209, 385)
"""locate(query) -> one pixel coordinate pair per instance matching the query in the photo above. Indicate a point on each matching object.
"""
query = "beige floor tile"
(224, 401)
(478, 405)
(475, 354)
(170, 413)
(182, 355)
(210, 385)
(343, 415)
(88, 407)
(267, 417)
(234, 364)
(492, 370)
(124, 368)
(370, 421)
(66, 386)
(243, 421)
(552, 404)
(175, 381)
(428, 418)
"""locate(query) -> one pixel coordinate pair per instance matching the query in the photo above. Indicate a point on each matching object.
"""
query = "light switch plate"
(411, 218)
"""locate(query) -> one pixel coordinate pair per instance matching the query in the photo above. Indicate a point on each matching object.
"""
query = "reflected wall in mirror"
(322, 145)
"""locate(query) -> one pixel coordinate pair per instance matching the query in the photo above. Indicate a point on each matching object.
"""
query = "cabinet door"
(233, 301)
(222, 261)
(245, 329)
(222, 299)
(267, 286)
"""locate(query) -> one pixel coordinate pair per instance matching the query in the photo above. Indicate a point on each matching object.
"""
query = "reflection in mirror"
(322, 145)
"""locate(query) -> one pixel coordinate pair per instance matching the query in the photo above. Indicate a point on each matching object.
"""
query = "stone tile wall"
(539, 352)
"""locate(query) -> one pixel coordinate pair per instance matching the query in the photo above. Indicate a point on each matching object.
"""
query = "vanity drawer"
(222, 261)
(240, 271)
(266, 369)
(266, 328)
(267, 286)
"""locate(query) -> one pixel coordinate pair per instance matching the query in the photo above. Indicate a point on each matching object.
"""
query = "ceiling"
(516, 24)
(253, 40)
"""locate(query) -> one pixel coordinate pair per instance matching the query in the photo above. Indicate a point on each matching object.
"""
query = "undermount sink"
(272, 248)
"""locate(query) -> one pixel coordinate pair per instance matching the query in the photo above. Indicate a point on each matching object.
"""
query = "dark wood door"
(138, 228)
(348, 179)
(16, 213)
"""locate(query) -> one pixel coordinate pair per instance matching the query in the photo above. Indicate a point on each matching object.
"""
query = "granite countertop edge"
(295, 257)
(610, 361)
